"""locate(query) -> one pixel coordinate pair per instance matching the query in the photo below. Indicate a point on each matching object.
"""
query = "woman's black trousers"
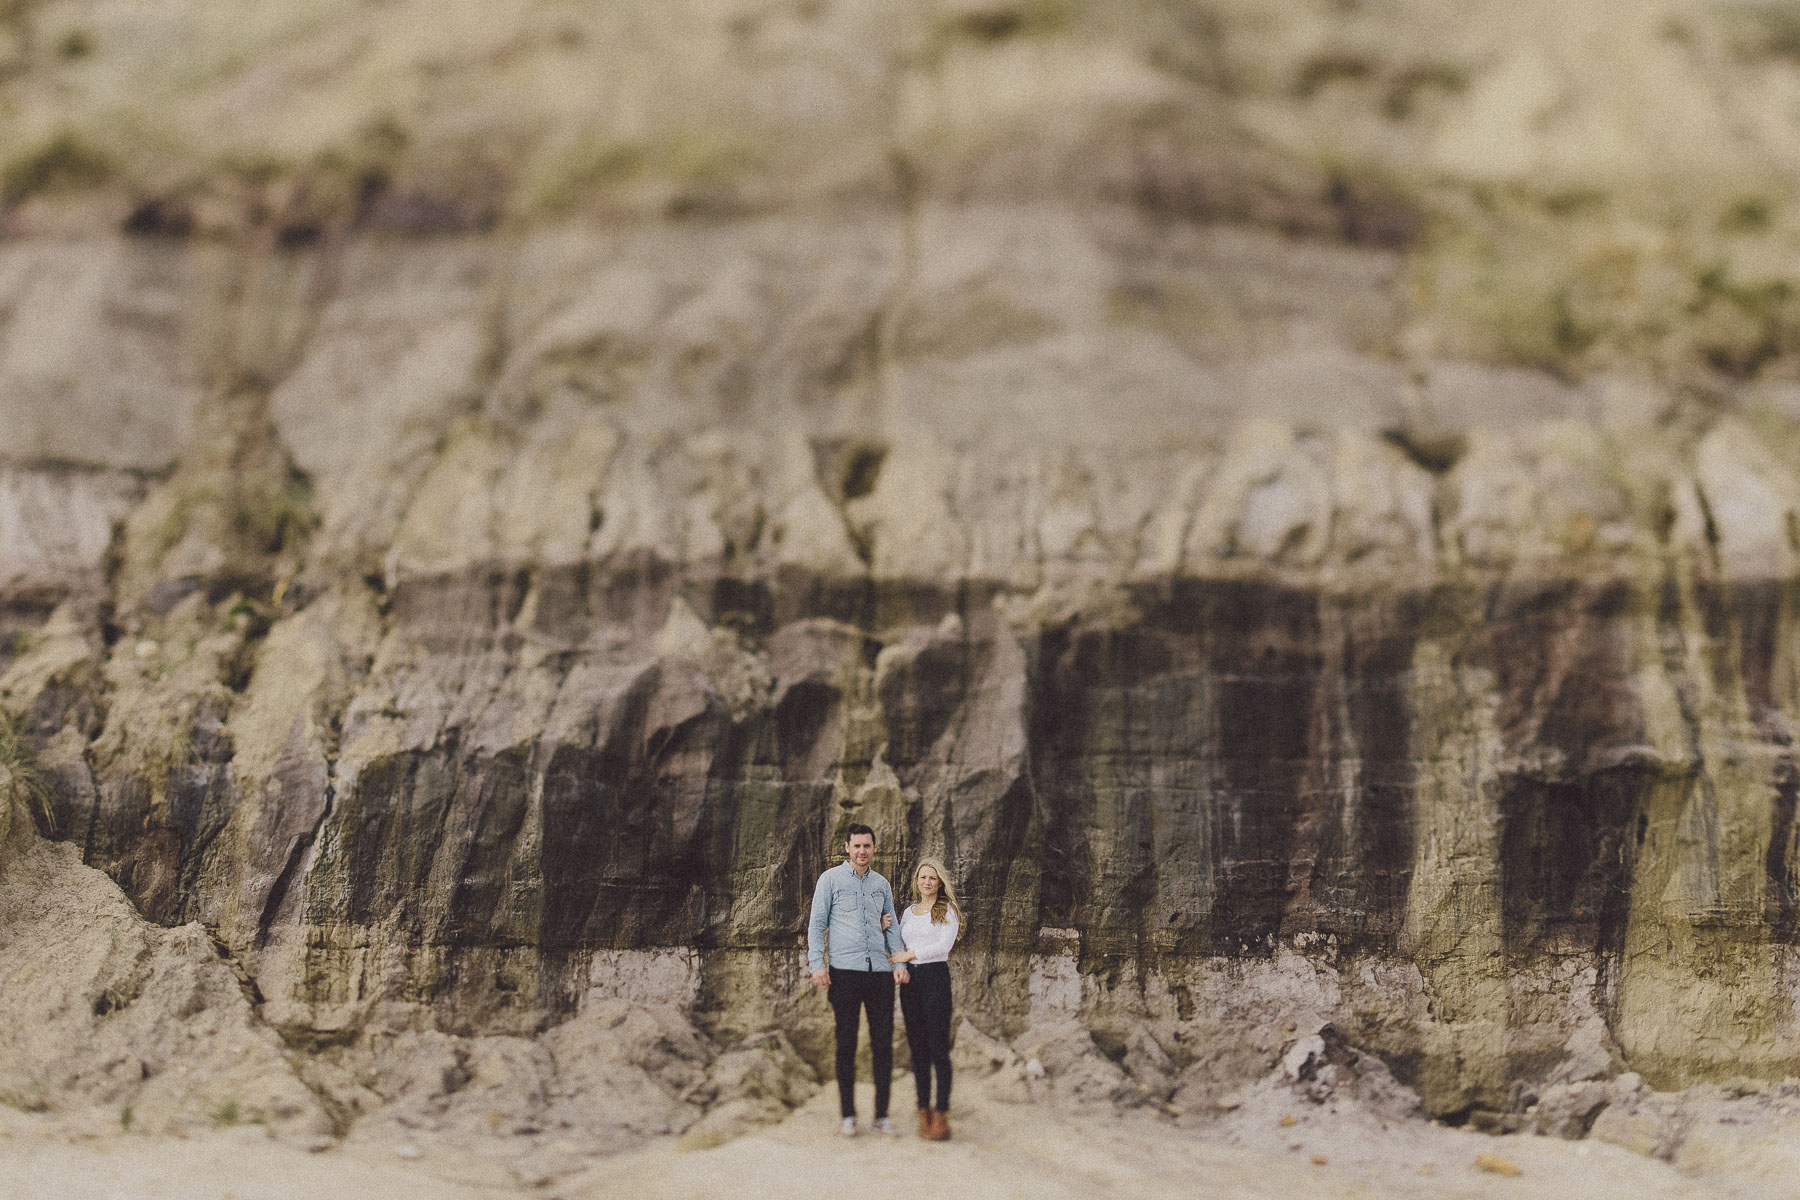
(925, 1003)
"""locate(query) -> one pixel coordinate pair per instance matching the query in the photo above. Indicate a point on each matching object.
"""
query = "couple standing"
(853, 906)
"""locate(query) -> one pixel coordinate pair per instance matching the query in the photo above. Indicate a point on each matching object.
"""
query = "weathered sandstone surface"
(460, 614)
(1483, 754)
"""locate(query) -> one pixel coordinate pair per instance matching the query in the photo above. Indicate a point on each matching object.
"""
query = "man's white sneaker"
(847, 1126)
(885, 1127)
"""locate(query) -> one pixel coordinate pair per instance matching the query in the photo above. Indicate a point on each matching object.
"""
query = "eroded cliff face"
(1500, 819)
(477, 626)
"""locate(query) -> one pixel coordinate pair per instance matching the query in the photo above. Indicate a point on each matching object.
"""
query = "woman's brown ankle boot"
(940, 1127)
(925, 1123)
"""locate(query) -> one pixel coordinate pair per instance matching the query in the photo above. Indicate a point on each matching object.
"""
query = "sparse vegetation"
(333, 188)
(253, 514)
(25, 779)
(584, 171)
(1766, 27)
(1322, 70)
(64, 163)
(1576, 280)
(277, 514)
(74, 45)
(226, 1113)
(1741, 326)
(704, 170)
(1001, 19)
(1408, 89)
(180, 747)
(26, 1097)
(1575, 202)
(1543, 320)
(1752, 214)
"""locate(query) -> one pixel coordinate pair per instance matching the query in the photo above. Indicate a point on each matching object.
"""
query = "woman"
(929, 928)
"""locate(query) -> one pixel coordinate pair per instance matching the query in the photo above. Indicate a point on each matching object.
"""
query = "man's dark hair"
(856, 829)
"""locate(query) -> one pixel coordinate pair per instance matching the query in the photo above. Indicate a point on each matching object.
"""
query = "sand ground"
(1001, 1151)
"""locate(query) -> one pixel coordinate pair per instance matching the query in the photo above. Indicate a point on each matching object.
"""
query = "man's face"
(861, 849)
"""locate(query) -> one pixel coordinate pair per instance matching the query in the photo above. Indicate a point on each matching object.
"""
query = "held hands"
(902, 975)
(887, 921)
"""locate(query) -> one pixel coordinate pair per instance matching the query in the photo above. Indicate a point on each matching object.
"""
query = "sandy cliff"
(1297, 505)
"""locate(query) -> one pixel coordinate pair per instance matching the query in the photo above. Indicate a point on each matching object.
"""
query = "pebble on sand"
(1495, 1164)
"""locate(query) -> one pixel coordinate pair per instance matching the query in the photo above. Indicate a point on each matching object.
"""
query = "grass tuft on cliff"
(66, 162)
(23, 780)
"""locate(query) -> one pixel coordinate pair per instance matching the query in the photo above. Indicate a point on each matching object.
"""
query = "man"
(855, 907)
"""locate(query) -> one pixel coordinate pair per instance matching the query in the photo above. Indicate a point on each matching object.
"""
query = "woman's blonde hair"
(946, 898)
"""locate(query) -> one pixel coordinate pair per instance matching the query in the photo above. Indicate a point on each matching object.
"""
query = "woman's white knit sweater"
(930, 942)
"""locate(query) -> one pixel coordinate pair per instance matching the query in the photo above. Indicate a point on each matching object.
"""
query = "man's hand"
(902, 975)
(821, 978)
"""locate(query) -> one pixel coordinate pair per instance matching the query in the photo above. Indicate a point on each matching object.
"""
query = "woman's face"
(928, 883)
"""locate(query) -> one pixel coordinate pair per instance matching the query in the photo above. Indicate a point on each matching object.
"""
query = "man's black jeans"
(925, 1002)
(851, 991)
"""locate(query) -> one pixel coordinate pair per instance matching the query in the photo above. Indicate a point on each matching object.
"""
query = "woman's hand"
(887, 921)
(904, 956)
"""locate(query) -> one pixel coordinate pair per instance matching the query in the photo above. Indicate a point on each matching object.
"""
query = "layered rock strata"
(432, 682)
(1306, 539)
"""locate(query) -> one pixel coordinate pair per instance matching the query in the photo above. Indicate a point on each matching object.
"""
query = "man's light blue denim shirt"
(850, 906)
